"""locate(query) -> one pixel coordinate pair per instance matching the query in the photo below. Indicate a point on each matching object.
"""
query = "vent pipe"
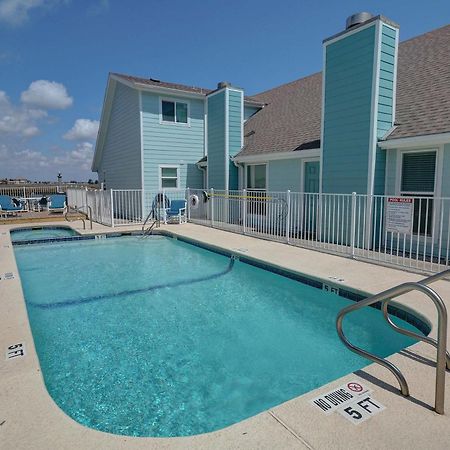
(357, 19)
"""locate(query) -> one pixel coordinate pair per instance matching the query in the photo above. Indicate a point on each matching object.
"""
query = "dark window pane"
(169, 183)
(169, 172)
(260, 177)
(168, 111)
(418, 170)
(182, 112)
(422, 215)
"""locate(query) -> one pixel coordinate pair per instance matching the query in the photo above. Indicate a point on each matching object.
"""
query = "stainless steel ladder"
(156, 222)
(76, 209)
(443, 357)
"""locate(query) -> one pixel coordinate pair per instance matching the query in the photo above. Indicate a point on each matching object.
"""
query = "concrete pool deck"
(29, 419)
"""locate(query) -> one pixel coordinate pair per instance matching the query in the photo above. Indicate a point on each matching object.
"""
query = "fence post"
(353, 224)
(24, 192)
(112, 207)
(188, 194)
(211, 196)
(288, 216)
(244, 212)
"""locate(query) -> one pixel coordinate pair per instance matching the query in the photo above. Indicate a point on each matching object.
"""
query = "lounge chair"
(177, 210)
(57, 203)
(7, 206)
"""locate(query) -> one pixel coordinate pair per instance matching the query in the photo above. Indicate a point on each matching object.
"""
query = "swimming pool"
(38, 233)
(156, 337)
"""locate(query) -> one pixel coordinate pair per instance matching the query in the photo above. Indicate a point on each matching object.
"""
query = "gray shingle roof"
(291, 119)
(176, 86)
(423, 89)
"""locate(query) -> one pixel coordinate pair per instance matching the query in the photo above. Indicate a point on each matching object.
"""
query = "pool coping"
(277, 429)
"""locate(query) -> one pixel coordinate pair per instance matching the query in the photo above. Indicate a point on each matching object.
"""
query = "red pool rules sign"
(399, 214)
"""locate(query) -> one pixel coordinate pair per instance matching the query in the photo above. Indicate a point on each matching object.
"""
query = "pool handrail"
(88, 214)
(441, 343)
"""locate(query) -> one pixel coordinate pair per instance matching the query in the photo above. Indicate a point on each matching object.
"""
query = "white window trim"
(436, 194)
(437, 176)
(266, 189)
(160, 177)
(175, 100)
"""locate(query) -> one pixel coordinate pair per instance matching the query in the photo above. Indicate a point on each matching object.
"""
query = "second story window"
(173, 111)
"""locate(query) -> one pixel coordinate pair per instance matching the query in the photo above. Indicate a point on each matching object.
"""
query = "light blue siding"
(348, 98)
(249, 111)
(120, 164)
(219, 153)
(348, 120)
(385, 117)
(385, 100)
(391, 171)
(216, 141)
(284, 174)
(235, 99)
(172, 144)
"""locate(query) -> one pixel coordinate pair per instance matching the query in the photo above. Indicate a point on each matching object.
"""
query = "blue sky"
(55, 56)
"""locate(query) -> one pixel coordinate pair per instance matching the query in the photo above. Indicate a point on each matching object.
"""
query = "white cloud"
(74, 163)
(16, 12)
(83, 130)
(46, 95)
(18, 120)
(81, 156)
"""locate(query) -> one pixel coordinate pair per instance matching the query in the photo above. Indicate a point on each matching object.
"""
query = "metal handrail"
(442, 356)
(78, 209)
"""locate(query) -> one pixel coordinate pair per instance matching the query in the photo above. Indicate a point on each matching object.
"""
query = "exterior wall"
(285, 174)
(235, 138)
(359, 91)
(385, 99)
(216, 141)
(391, 171)
(346, 127)
(120, 164)
(172, 144)
(249, 111)
(225, 118)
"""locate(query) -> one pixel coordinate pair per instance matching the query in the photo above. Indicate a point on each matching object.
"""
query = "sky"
(55, 56)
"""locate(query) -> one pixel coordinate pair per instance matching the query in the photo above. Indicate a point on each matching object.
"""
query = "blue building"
(376, 120)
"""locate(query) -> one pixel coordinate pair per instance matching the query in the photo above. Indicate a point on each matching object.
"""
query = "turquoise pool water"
(36, 233)
(156, 337)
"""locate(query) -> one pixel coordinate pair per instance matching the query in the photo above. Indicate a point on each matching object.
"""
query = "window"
(175, 112)
(418, 180)
(256, 177)
(169, 177)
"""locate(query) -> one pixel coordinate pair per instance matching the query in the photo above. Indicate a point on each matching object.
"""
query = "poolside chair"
(57, 203)
(7, 206)
(177, 211)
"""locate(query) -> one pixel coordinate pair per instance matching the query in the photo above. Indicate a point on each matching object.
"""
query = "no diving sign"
(352, 400)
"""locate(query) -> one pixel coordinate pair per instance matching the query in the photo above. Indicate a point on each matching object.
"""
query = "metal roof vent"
(357, 19)
(223, 84)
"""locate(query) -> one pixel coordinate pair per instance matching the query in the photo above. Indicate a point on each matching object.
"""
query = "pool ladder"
(443, 357)
(82, 215)
(153, 224)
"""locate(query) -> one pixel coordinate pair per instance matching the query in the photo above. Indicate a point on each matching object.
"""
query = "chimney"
(225, 108)
(358, 103)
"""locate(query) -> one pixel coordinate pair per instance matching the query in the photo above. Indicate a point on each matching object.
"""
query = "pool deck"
(29, 419)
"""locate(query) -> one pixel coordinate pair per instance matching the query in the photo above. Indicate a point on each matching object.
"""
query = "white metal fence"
(34, 190)
(366, 227)
(415, 235)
